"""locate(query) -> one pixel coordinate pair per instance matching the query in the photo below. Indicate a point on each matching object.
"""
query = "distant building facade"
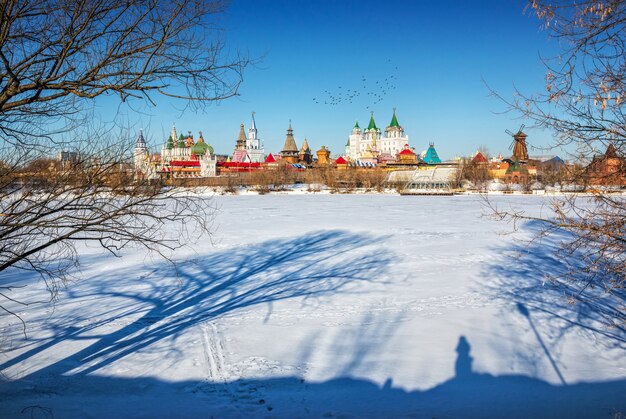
(607, 169)
(181, 157)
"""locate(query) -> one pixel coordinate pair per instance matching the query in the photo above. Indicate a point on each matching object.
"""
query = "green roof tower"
(372, 124)
(394, 120)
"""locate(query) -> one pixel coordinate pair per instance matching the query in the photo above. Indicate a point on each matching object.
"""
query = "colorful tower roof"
(181, 141)
(372, 124)
(356, 125)
(516, 166)
(479, 158)
(201, 147)
(189, 140)
(170, 143)
(431, 156)
(407, 151)
(394, 120)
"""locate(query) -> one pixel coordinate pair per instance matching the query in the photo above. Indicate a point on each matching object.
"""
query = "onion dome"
(200, 148)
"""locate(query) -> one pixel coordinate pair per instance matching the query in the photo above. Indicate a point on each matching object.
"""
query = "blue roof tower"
(431, 156)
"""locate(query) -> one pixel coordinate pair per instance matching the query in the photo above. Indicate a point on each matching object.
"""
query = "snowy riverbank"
(318, 304)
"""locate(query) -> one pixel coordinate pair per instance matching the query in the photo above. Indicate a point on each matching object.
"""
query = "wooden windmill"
(520, 152)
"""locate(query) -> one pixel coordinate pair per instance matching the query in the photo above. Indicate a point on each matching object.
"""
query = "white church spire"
(254, 146)
(173, 134)
(252, 132)
(253, 124)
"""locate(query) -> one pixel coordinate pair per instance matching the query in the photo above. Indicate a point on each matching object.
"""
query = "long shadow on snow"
(467, 394)
(308, 267)
(522, 276)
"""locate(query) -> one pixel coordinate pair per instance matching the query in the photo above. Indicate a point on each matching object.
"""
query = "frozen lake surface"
(321, 306)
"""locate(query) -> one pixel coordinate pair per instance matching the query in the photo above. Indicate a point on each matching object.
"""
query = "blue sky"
(427, 59)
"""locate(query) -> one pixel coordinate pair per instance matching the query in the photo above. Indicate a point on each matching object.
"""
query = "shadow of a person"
(463, 364)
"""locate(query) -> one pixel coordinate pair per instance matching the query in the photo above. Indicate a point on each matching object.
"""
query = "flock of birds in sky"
(373, 93)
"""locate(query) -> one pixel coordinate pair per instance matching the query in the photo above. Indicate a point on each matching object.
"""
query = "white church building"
(369, 144)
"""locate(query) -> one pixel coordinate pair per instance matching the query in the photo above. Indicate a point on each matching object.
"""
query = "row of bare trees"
(282, 176)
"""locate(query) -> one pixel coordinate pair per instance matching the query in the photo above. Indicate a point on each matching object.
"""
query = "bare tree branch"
(583, 105)
(56, 57)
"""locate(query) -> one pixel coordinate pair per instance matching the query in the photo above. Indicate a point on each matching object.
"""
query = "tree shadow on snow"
(523, 277)
(467, 394)
(312, 267)
(219, 284)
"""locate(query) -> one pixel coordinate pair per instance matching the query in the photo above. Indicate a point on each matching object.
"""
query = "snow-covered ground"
(320, 306)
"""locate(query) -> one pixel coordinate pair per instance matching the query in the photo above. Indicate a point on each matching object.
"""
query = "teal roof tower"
(431, 156)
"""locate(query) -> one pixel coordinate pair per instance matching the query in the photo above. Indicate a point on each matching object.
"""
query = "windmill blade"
(512, 143)
(522, 127)
(509, 132)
